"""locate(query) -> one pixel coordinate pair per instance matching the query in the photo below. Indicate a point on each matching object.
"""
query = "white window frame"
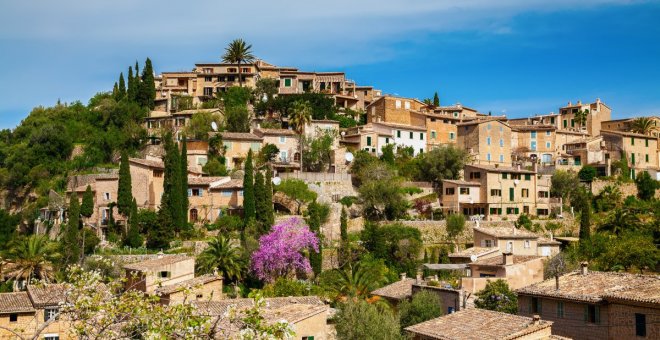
(406, 105)
(107, 196)
(397, 104)
(282, 139)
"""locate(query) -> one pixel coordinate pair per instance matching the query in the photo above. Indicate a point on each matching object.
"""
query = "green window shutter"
(632, 140)
(504, 175)
(517, 211)
(565, 123)
(632, 158)
(597, 316)
(527, 177)
(398, 133)
(368, 141)
(411, 135)
(646, 141)
(529, 306)
(510, 194)
(572, 123)
(647, 158)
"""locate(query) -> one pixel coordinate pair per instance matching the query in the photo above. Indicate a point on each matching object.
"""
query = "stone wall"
(627, 189)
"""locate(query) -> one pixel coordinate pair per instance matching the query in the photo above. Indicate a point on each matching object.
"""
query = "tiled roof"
(401, 126)
(535, 127)
(481, 121)
(148, 162)
(47, 295)
(232, 184)
(492, 168)
(477, 251)
(192, 283)
(571, 132)
(499, 260)
(157, 262)
(595, 286)
(207, 180)
(399, 290)
(547, 241)
(18, 302)
(274, 132)
(477, 324)
(460, 182)
(627, 134)
(507, 232)
(218, 308)
(240, 136)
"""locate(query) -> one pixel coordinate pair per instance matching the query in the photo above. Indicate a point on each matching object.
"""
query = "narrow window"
(560, 309)
(411, 135)
(398, 133)
(13, 317)
(368, 141)
(163, 274)
(640, 324)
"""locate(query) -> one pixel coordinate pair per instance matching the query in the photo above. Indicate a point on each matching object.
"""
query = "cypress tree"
(343, 225)
(87, 207)
(147, 86)
(71, 246)
(130, 92)
(314, 221)
(115, 92)
(122, 86)
(436, 100)
(137, 72)
(124, 191)
(133, 238)
(170, 205)
(183, 179)
(248, 190)
(260, 202)
(270, 211)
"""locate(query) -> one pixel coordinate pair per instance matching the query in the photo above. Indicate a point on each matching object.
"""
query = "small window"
(488, 141)
(449, 191)
(433, 135)
(199, 296)
(282, 139)
(535, 304)
(488, 157)
(421, 136)
(51, 337)
(488, 126)
(533, 134)
(525, 193)
(50, 313)
(13, 317)
(106, 195)
(505, 175)
(547, 145)
(646, 141)
(158, 173)
(287, 82)
(501, 142)
(640, 324)
(465, 191)
(307, 338)
(527, 244)
(164, 274)
(495, 192)
(560, 309)
(547, 133)
(451, 135)
(501, 158)
(226, 193)
(475, 175)
(488, 243)
(368, 141)
(398, 133)
(632, 140)
(406, 105)
(411, 135)
(397, 104)
(592, 314)
(528, 177)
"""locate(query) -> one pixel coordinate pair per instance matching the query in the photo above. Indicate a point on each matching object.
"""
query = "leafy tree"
(267, 153)
(398, 245)
(238, 52)
(355, 280)
(643, 125)
(582, 204)
(436, 100)
(131, 92)
(171, 205)
(587, 173)
(8, 224)
(317, 154)
(87, 207)
(70, 241)
(646, 186)
(299, 117)
(226, 224)
(442, 163)
(619, 220)
(563, 184)
(215, 168)
(388, 154)
(343, 235)
(279, 253)
(89, 240)
(524, 222)
(124, 188)
(455, 226)
(264, 93)
(237, 119)
(200, 125)
(424, 306)
(498, 297)
(30, 257)
(248, 189)
(297, 190)
(222, 256)
(360, 320)
(608, 199)
(630, 250)
(133, 238)
(147, 88)
(581, 117)
(322, 105)
(382, 199)
(269, 218)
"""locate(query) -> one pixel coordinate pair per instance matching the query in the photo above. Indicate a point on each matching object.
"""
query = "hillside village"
(241, 198)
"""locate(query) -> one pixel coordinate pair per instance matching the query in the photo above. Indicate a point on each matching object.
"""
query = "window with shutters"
(449, 191)
(511, 194)
(465, 191)
(524, 193)
(398, 133)
(488, 141)
(505, 175)
(535, 306)
(368, 141)
(433, 134)
(495, 192)
(411, 135)
(560, 309)
(592, 314)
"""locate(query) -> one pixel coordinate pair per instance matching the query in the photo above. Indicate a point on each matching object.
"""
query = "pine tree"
(270, 210)
(124, 189)
(314, 221)
(71, 245)
(130, 92)
(122, 86)
(87, 207)
(436, 100)
(183, 180)
(133, 238)
(248, 189)
(260, 202)
(147, 91)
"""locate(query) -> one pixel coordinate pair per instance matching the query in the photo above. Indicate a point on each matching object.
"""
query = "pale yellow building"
(488, 141)
(237, 145)
(598, 112)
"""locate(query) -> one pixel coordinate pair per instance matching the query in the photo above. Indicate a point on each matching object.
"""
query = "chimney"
(569, 103)
(579, 102)
(403, 276)
(584, 268)
(598, 100)
(508, 259)
(536, 319)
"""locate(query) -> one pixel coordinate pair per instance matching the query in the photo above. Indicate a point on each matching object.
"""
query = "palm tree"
(31, 258)
(300, 115)
(356, 281)
(643, 125)
(619, 220)
(581, 117)
(238, 52)
(221, 256)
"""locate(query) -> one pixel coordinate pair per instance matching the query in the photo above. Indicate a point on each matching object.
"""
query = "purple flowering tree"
(280, 251)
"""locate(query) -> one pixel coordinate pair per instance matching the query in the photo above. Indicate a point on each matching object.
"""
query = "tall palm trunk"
(240, 79)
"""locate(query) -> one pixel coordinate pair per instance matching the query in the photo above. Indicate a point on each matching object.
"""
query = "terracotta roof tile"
(207, 180)
(157, 262)
(48, 295)
(399, 290)
(507, 232)
(18, 302)
(492, 168)
(477, 251)
(192, 283)
(232, 184)
(499, 260)
(460, 182)
(274, 132)
(240, 136)
(596, 286)
(477, 324)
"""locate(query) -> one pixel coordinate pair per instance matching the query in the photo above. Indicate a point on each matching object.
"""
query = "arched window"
(296, 157)
(193, 215)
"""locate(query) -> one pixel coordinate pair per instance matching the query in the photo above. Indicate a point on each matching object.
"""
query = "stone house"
(488, 141)
(475, 323)
(596, 305)
(197, 154)
(396, 110)
(237, 145)
(598, 112)
(287, 141)
(641, 151)
(149, 275)
(25, 312)
(625, 125)
(457, 111)
(496, 192)
(210, 197)
(534, 142)
(207, 287)
(307, 314)
(517, 270)
(373, 137)
(396, 292)
(551, 119)
(440, 129)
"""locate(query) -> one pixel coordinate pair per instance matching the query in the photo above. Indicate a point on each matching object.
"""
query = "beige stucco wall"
(211, 291)
(238, 149)
(315, 326)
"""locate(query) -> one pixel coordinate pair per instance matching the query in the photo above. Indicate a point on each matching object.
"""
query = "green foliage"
(300, 115)
(122, 87)
(630, 250)
(563, 184)
(582, 203)
(587, 173)
(297, 190)
(498, 297)
(200, 125)
(424, 306)
(354, 280)
(133, 238)
(283, 287)
(380, 193)
(267, 153)
(90, 240)
(398, 245)
(440, 163)
(317, 154)
(609, 198)
(227, 224)
(436, 100)
(249, 209)
(321, 106)
(646, 186)
(261, 204)
(237, 116)
(183, 185)
(268, 88)
(171, 204)
(360, 320)
(238, 52)
(147, 88)
(269, 213)
(455, 225)
(215, 168)
(32, 258)
(345, 121)
(70, 241)
(388, 154)
(8, 224)
(223, 257)
(348, 201)
(87, 207)
(131, 92)
(343, 225)
(124, 191)
(317, 214)
(411, 191)
(524, 222)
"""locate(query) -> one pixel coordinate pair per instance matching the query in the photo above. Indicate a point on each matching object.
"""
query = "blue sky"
(520, 57)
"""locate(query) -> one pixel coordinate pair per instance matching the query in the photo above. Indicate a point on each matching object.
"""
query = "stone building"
(488, 141)
(641, 151)
(517, 270)
(24, 313)
(237, 145)
(596, 305)
(396, 110)
(534, 142)
(625, 125)
(597, 112)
